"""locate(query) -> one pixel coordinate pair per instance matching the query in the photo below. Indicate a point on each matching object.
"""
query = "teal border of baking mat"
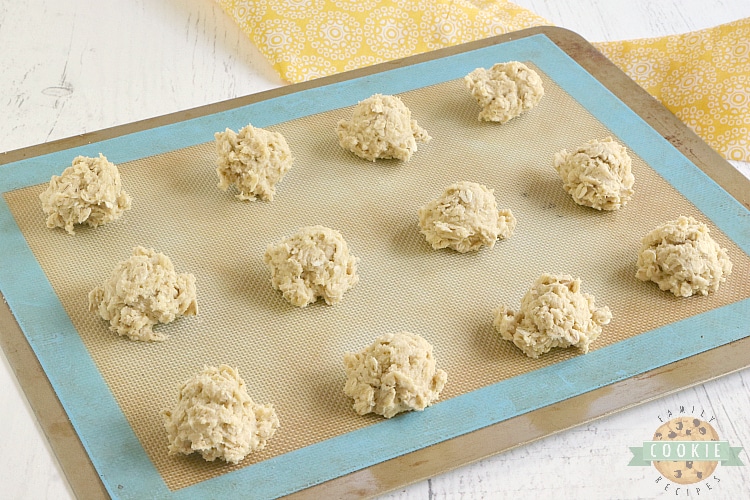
(109, 440)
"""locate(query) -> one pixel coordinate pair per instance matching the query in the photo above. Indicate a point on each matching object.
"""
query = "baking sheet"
(459, 286)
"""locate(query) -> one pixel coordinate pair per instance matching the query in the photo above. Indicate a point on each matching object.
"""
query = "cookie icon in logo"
(685, 429)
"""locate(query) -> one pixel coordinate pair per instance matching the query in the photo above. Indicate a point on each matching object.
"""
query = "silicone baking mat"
(293, 357)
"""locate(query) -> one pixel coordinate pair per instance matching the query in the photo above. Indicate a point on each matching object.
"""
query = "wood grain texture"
(77, 66)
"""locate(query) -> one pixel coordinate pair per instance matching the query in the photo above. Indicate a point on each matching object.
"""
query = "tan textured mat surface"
(293, 357)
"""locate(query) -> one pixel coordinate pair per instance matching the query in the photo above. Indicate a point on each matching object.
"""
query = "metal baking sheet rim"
(467, 448)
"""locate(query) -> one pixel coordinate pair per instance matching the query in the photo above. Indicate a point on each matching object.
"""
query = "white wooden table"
(76, 66)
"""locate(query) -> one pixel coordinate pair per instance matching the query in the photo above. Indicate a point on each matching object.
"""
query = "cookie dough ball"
(396, 373)
(142, 291)
(597, 175)
(89, 191)
(215, 417)
(505, 91)
(253, 159)
(465, 217)
(381, 126)
(554, 313)
(313, 263)
(680, 256)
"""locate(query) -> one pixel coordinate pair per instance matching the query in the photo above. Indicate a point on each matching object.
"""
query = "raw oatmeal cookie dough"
(465, 217)
(215, 417)
(396, 373)
(682, 257)
(554, 313)
(597, 175)
(89, 191)
(253, 159)
(313, 263)
(381, 126)
(142, 291)
(505, 91)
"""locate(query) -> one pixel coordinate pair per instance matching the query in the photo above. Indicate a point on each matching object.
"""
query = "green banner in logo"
(693, 451)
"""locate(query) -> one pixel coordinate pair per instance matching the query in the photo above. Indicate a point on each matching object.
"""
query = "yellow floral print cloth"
(306, 39)
(703, 77)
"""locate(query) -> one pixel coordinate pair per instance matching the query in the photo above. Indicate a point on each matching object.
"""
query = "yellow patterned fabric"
(703, 77)
(306, 39)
